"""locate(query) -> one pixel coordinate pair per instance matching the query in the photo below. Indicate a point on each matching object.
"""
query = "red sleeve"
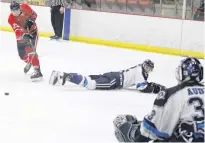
(28, 10)
(17, 29)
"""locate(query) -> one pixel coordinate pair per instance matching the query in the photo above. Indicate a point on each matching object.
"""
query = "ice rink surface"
(41, 113)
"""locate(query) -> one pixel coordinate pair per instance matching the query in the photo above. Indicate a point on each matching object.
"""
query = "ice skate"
(37, 76)
(58, 78)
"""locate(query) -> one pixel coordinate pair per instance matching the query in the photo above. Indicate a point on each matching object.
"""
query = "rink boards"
(151, 34)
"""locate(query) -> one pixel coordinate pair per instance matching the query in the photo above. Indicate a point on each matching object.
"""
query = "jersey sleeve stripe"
(198, 135)
(17, 30)
(141, 86)
(153, 130)
(201, 125)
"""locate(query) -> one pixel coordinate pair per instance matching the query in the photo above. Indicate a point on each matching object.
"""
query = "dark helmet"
(148, 65)
(190, 69)
(14, 5)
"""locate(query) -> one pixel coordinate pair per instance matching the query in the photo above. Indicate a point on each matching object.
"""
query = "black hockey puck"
(6, 93)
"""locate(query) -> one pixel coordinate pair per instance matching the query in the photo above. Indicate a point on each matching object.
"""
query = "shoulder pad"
(165, 94)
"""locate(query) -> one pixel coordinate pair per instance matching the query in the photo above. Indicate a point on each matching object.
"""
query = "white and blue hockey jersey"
(178, 110)
(135, 76)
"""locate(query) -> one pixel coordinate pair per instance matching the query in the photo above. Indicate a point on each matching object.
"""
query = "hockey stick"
(28, 65)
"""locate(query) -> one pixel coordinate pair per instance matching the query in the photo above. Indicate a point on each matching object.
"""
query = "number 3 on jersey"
(198, 104)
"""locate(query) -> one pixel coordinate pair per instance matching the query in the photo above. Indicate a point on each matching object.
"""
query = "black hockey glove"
(27, 37)
(153, 88)
(126, 127)
(188, 131)
(28, 24)
(156, 87)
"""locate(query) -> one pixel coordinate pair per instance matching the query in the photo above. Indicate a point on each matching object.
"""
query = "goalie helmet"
(190, 69)
(148, 65)
(14, 5)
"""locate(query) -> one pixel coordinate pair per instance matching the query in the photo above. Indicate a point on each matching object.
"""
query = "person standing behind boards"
(57, 16)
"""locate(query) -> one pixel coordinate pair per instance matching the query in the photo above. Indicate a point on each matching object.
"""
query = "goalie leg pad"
(121, 119)
(123, 133)
(127, 129)
(123, 127)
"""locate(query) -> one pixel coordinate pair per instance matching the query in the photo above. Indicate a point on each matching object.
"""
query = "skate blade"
(58, 40)
(37, 79)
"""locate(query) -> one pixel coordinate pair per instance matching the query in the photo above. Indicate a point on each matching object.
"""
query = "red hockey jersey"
(17, 23)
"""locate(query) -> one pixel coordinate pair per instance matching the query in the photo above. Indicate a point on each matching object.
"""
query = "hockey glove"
(28, 24)
(189, 131)
(150, 87)
(27, 37)
(156, 87)
(126, 127)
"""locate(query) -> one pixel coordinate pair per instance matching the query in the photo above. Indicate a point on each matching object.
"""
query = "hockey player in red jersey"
(22, 20)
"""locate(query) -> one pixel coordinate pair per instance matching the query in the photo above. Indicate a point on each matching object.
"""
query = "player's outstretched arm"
(149, 87)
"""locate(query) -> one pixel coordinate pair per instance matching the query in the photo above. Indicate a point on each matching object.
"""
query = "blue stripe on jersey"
(154, 130)
(140, 84)
(201, 125)
(198, 135)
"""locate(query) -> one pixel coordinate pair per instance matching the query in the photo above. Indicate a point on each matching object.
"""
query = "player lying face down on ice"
(177, 114)
(22, 20)
(134, 76)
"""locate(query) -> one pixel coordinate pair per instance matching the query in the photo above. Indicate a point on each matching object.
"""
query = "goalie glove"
(126, 127)
(121, 119)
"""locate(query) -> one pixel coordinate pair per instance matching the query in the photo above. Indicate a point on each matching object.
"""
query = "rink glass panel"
(160, 8)
(195, 10)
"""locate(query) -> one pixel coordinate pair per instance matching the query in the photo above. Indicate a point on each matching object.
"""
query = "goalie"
(134, 76)
(177, 114)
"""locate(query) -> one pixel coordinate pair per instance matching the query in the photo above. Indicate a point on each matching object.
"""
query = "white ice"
(41, 113)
